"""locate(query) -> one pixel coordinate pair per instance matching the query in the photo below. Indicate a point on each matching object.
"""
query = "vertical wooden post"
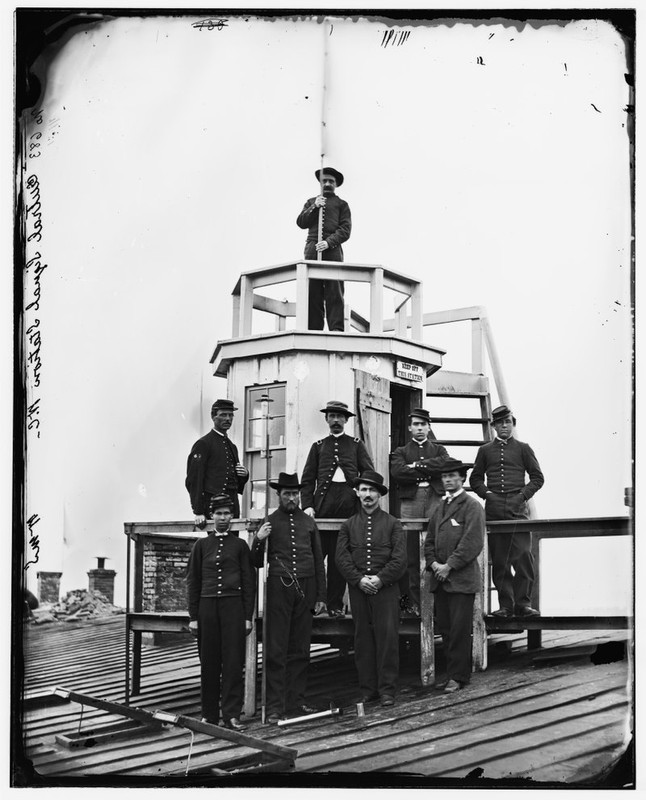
(534, 638)
(246, 305)
(235, 316)
(479, 643)
(377, 301)
(426, 623)
(417, 327)
(302, 297)
(477, 348)
(251, 660)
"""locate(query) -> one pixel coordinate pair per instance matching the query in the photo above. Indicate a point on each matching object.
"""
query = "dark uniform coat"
(428, 459)
(324, 457)
(504, 463)
(210, 471)
(337, 225)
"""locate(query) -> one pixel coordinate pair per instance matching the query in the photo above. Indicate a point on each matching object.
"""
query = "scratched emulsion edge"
(39, 38)
(28, 193)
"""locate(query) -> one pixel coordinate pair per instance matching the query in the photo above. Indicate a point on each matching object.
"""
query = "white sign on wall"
(412, 372)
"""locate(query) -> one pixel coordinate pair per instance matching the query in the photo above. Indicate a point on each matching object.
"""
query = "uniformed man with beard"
(295, 591)
(331, 467)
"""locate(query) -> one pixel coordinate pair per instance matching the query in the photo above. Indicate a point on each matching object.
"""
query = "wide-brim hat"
(338, 407)
(454, 465)
(373, 478)
(338, 177)
(421, 413)
(220, 501)
(286, 481)
(223, 405)
(501, 412)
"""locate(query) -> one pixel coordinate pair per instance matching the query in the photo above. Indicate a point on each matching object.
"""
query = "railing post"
(302, 297)
(246, 305)
(426, 623)
(477, 348)
(479, 643)
(417, 314)
(251, 661)
(235, 317)
(377, 301)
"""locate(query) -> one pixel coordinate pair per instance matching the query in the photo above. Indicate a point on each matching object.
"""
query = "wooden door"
(373, 407)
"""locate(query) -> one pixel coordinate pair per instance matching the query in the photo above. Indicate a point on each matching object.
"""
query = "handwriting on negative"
(393, 38)
(210, 24)
(34, 543)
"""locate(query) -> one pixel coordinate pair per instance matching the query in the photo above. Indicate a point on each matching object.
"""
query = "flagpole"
(265, 400)
(319, 254)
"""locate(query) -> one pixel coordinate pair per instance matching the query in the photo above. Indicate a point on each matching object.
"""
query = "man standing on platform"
(326, 297)
(415, 469)
(453, 543)
(332, 465)
(221, 596)
(295, 592)
(213, 466)
(371, 554)
(504, 462)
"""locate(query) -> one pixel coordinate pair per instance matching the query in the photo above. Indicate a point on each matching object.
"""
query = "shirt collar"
(419, 443)
(219, 433)
(450, 497)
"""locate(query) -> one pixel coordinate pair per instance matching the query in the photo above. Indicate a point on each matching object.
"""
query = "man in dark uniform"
(213, 465)
(295, 591)
(504, 462)
(326, 297)
(221, 585)
(371, 555)
(415, 469)
(453, 543)
(331, 467)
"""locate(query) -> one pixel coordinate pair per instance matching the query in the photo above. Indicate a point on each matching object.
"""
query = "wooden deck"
(561, 715)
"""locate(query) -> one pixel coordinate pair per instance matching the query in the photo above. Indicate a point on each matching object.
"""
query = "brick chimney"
(49, 587)
(102, 579)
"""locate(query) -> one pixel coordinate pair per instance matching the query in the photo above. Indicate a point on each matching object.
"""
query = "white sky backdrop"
(173, 159)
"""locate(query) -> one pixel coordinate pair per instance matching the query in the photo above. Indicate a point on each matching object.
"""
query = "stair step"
(471, 420)
(463, 442)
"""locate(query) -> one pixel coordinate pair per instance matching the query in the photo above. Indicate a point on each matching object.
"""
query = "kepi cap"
(222, 405)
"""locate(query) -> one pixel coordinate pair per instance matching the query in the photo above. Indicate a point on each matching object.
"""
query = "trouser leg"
(384, 608)
(334, 292)
(340, 502)
(419, 507)
(523, 563)
(455, 622)
(279, 615)
(500, 552)
(316, 305)
(210, 651)
(298, 651)
(335, 580)
(232, 624)
(364, 642)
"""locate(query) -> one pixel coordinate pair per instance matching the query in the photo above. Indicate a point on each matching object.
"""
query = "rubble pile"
(79, 604)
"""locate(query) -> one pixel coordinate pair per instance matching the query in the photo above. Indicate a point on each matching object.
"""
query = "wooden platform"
(561, 715)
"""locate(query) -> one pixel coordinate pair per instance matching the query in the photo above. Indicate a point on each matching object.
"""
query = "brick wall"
(164, 575)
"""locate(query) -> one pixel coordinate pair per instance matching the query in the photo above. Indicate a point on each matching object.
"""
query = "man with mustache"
(371, 555)
(326, 297)
(213, 466)
(331, 467)
(295, 591)
(453, 543)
